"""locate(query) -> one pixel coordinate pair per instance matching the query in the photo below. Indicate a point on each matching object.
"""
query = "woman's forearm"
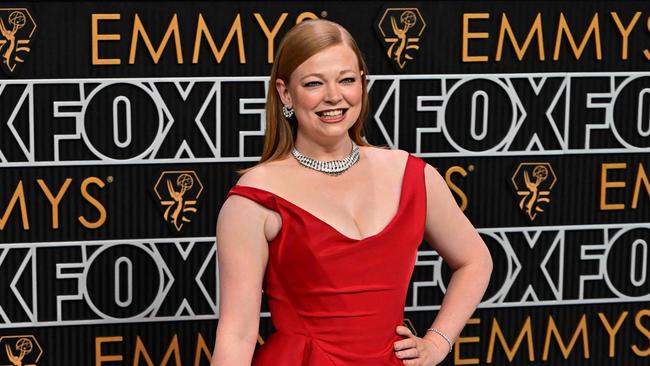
(464, 292)
(232, 350)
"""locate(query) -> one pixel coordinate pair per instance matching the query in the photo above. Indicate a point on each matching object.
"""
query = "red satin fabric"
(336, 300)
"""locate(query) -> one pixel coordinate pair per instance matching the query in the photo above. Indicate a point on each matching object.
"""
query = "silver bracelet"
(443, 335)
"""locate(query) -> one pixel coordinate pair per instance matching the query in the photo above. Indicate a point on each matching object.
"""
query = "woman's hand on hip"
(416, 351)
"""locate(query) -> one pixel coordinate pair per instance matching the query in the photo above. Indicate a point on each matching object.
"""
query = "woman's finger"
(404, 344)
(408, 353)
(404, 331)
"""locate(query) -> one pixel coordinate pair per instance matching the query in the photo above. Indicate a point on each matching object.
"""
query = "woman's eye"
(348, 80)
(312, 83)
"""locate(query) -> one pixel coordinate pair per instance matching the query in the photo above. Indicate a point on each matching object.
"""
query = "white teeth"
(334, 113)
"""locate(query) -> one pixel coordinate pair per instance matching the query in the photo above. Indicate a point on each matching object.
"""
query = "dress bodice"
(335, 300)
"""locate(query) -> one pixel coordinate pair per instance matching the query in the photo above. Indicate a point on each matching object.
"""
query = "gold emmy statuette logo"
(178, 192)
(21, 350)
(401, 29)
(17, 27)
(533, 183)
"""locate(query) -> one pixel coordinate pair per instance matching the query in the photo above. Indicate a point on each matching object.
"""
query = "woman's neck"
(324, 151)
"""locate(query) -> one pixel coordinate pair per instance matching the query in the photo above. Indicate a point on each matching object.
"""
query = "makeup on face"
(332, 115)
(327, 87)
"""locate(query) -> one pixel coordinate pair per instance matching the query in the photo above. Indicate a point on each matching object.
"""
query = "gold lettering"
(202, 30)
(463, 340)
(467, 35)
(100, 358)
(102, 210)
(454, 187)
(612, 331)
(526, 331)
(641, 176)
(625, 31)
(19, 195)
(270, 34)
(97, 37)
(646, 53)
(174, 349)
(138, 29)
(566, 350)
(536, 28)
(604, 184)
(54, 201)
(201, 349)
(305, 16)
(563, 28)
(637, 321)
(141, 350)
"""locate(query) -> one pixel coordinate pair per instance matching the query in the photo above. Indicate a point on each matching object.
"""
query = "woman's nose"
(333, 95)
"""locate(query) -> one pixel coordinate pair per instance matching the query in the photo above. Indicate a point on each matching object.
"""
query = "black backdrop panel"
(536, 113)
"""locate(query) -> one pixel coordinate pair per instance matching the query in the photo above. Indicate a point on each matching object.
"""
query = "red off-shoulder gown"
(335, 301)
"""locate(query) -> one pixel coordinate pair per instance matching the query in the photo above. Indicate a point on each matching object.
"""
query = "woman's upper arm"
(242, 252)
(447, 229)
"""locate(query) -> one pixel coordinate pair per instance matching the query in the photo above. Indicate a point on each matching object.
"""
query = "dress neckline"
(332, 228)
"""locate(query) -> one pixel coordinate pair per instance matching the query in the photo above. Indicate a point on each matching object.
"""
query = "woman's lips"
(332, 118)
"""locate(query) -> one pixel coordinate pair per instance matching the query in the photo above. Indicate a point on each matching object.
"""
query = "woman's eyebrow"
(322, 76)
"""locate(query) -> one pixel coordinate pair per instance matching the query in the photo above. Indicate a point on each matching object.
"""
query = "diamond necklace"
(332, 167)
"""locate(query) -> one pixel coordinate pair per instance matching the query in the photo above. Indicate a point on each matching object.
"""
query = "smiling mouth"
(332, 113)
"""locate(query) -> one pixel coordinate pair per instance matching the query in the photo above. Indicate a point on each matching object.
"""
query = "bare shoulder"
(396, 159)
(237, 207)
(255, 176)
(385, 157)
(264, 175)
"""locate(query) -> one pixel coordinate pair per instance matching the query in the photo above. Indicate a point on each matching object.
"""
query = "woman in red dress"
(329, 226)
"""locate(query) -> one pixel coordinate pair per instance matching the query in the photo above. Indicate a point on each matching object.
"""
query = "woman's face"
(325, 92)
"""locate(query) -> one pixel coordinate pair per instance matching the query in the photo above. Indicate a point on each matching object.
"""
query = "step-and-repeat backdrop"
(122, 124)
